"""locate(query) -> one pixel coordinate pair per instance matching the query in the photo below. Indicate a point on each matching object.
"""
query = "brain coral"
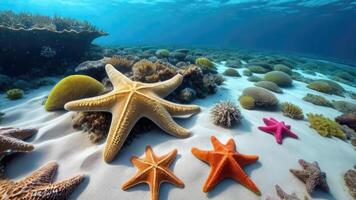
(271, 86)
(72, 88)
(205, 64)
(231, 72)
(257, 69)
(254, 78)
(344, 106)
(317, 100)
(247, 102)
(162, 53)
(327, 86)
(14, 94)
(325, 126)
(292, 111)
(283, 68)
(261, 96)
(280, 78)
(225, 114)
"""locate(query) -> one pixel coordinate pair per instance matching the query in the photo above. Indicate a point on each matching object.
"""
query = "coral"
(257, 69)
(284, 196)
(247, 72)
(210, 83)
(277, 128)
(344, 106)
(291, 110)
(349, 133)
(271, 86)
(205, 64)
(283, 68)
(317, 100)
(327, 86)
(350, 181)
(325, 126)
(231, 72)
(247, 102)
(121, 63)
(348, 119)
(187, 95)
(146, 100)
(14, 94)
(236, 63)
(254, 78)
(178, 55)
(226, 162)
(311, 175)
(261, 96)
(225, 114)
(344, 75)
(148, 72)
(72, 88)
(280, 78)
(162, 53)
(153, 170)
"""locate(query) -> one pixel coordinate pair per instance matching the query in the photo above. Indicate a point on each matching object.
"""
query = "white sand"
(57, 140)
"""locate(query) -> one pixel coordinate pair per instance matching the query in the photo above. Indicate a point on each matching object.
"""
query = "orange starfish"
(153, 171)
(226, 162)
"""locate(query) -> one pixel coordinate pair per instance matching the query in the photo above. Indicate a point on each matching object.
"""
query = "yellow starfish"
(129, 101)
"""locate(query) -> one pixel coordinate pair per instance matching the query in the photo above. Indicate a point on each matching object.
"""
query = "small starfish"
(129, 101)
(153, 171)
(285, 196)
(311, 175)
(11, 140)
(277, 128)
(38, 185)
(226, 162)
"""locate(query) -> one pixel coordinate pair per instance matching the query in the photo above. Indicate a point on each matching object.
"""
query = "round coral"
(225, 114)
(321, 86)
(162, 53)
(261, 96)
(205, 63)
(283, 68)
(231, 72)
(14, 94)
(291, 110)
(269, 86)
(280, 78)
(247, 102)
(72, 88)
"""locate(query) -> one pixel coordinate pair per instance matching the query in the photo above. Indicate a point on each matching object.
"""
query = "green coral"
(14, 94)
(162, 53)
(254, 78)
(317, 100)
(325, 126)
(261, 97)
(247, 72)
(271, 86)
(291, 110)
(247, 102)
(344, 106)
(72, 88)
(257, 69)
(326, 86)
(231, 72)
(280, 78)
(205, 64)
(283, 68)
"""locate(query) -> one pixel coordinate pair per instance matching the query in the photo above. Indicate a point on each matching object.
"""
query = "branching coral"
(271, 86)
(317, 100)
(325, 126)
(291, 110)
(280, 78)
(121, 63)
(225, 114)
(14, 94)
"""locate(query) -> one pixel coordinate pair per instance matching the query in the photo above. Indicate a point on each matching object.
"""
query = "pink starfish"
(277, 129)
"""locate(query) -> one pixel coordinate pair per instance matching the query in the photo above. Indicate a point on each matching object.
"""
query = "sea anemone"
(325, 126)
(292, 111)
(225, 114)
(280, 78)
(14, 94)
(145, 71)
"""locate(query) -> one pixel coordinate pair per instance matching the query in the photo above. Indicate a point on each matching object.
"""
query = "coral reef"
(121, 63)
(247, 102)
(261, 96)
(231, 72)
(72, 88)
(311, 175)
(291, 110)
(14, 94)
(344, 106)
(325, 126)
(277, 128)
(225, 114)
(187, 95)
(348, 119)
(226, 162)
(350, 181)
(271, 86)
(283, 68)
(317, 100)
(278, 77)
(205, 64)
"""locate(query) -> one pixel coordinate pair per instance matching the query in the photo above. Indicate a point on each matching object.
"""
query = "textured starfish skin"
(311, 175)
(38, 186)
(277, 129)
(226, 162)
(11, 140)
(129, 101)
(284, 196)
(153, 171)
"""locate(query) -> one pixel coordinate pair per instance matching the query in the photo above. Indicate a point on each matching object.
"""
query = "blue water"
(321, 28)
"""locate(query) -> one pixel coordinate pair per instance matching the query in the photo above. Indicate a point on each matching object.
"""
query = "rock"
(348, 119)
(94, 69)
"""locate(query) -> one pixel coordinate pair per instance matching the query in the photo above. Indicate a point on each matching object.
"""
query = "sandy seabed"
(58, 141)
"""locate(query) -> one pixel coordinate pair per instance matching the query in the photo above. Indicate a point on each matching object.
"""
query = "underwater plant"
(283, 68)
(205, 64)
(14, 94)
(162, 53)
(72, 88)
(225, 114)
(231, 72)
(317, 100)
(291, 110)
(280, 78)
(325, 126)
(271, 86)
(261, 97)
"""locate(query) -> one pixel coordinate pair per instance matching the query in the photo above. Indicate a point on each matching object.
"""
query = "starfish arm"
(268, 122)
(160, 116)
(305, 164)
(13, 144)
(21, 134)
(280, 192)
(231, 145)
(300, 174)
(278, 135)
(311, 184)
(201, 155)
(290, 133)
(218, 146)
(98, 103)
(149, 154)
(121, 124)
(179, 109)
(164, 88)
(60, 190)
(239, 175)
(213, 178)
(244, 160)
(140, 164)
(42, 176)
(169, 177)
(267, 129)
(167, 160)
(138, 178)
(117, 79)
